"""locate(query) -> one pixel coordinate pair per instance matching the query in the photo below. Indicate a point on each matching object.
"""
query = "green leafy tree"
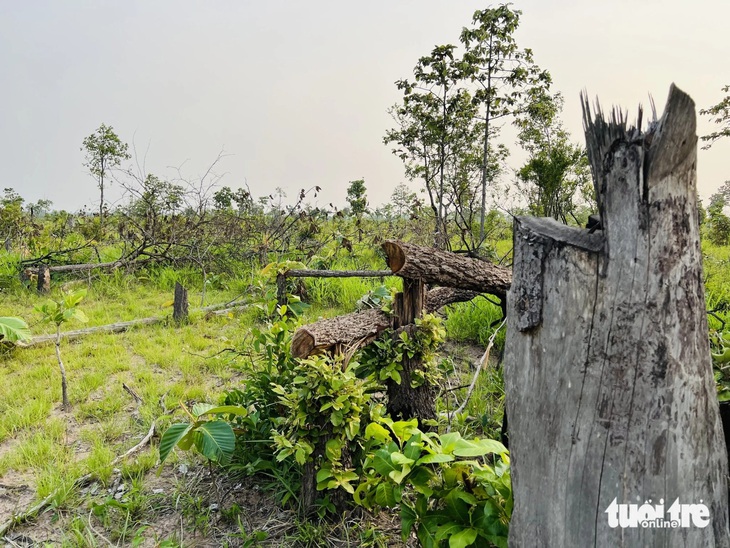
(357, 197)
(556, 174)
(105, 151)
(721, 114)
(436, 133)
(58, 313)
(503, 73)
(718, 231)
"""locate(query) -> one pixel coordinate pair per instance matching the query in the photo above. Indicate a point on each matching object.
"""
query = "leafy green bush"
(447, 488)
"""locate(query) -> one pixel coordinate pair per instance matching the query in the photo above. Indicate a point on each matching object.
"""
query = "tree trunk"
(608, 378)
(64, 385)
(180, 304)
(357, 328)
(44, 280)
(434, 266)
(405, 401)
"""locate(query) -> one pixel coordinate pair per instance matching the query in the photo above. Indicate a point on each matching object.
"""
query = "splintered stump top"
(608, 379)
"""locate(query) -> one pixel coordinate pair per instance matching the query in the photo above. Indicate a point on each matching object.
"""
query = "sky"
(296, 94)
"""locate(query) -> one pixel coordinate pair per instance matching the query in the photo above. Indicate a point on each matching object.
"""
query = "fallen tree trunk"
(437, 267)
(216, 309)
(356, 328)
(362, 327)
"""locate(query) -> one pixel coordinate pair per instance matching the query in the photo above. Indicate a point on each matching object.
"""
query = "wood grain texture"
(609, 384)
(437, 267)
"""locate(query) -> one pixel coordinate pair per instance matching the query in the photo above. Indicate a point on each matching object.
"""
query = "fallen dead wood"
(337, 273)
(34, 510)
(360, 328)
(216, 309)
(354, 328)
(443, 268)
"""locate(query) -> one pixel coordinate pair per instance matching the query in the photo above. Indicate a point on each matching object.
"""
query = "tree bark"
(434, 266)
(44, 279)
(180, 304)
(608, 379)
(357, 328)
(362, 327)
(404, 400)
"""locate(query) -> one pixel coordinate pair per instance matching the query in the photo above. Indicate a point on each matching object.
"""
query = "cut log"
(608, 379)
(43, 285)
(362, 326)
(439, 297)
(356, 328)
(437, 267)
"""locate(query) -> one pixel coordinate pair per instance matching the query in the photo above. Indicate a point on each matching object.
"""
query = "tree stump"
(44, 280)
(608, 378)
(180, 304)
(405, 401)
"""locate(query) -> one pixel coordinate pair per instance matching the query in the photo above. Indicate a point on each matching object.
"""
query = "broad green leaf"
(477, 447)
(407, 520)
(80, 316)
(218, 441)
(13, 329)
(405, 429)
(426, 535)
(433, 459)
(463, 538)
(400, 458)
(447, 530)
(201, 408)
(333, 450)
(171, 437)
(223, 410)
(384, 495)
(382, 463)
(377, 432)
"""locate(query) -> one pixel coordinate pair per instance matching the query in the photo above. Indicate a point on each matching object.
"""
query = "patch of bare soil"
(190, 506)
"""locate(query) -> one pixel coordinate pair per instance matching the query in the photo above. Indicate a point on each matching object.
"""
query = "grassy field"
(123, 385)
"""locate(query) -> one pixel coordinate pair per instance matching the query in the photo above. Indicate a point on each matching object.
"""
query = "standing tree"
(718, 231)
(436, 133)
(503, 73)
(721, 112)
(104, 152)
(357, 198)
(556, 173)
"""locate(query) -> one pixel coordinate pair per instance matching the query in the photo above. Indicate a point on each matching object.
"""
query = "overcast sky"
(297, 92)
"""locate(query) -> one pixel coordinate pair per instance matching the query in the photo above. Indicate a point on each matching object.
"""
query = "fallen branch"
(123, 326)
(484, 359)
(34, 510)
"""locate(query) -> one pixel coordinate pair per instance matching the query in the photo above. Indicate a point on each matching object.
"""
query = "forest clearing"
(494, 355)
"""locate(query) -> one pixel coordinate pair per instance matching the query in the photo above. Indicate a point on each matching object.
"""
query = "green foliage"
(65, 309)
(718, 223)
(721, 114)
(357, 198)
(556, 175)
(720, 345)
(214, 439)
(104, 152)
(450, 490)
(383, 359)
(325, 405)
(13, 329)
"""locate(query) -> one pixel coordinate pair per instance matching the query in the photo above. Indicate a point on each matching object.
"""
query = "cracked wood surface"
(608, 378)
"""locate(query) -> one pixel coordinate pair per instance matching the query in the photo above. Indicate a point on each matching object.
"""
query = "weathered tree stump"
(404, 400)
(180, 304)
(44, 279)
(608, 376)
